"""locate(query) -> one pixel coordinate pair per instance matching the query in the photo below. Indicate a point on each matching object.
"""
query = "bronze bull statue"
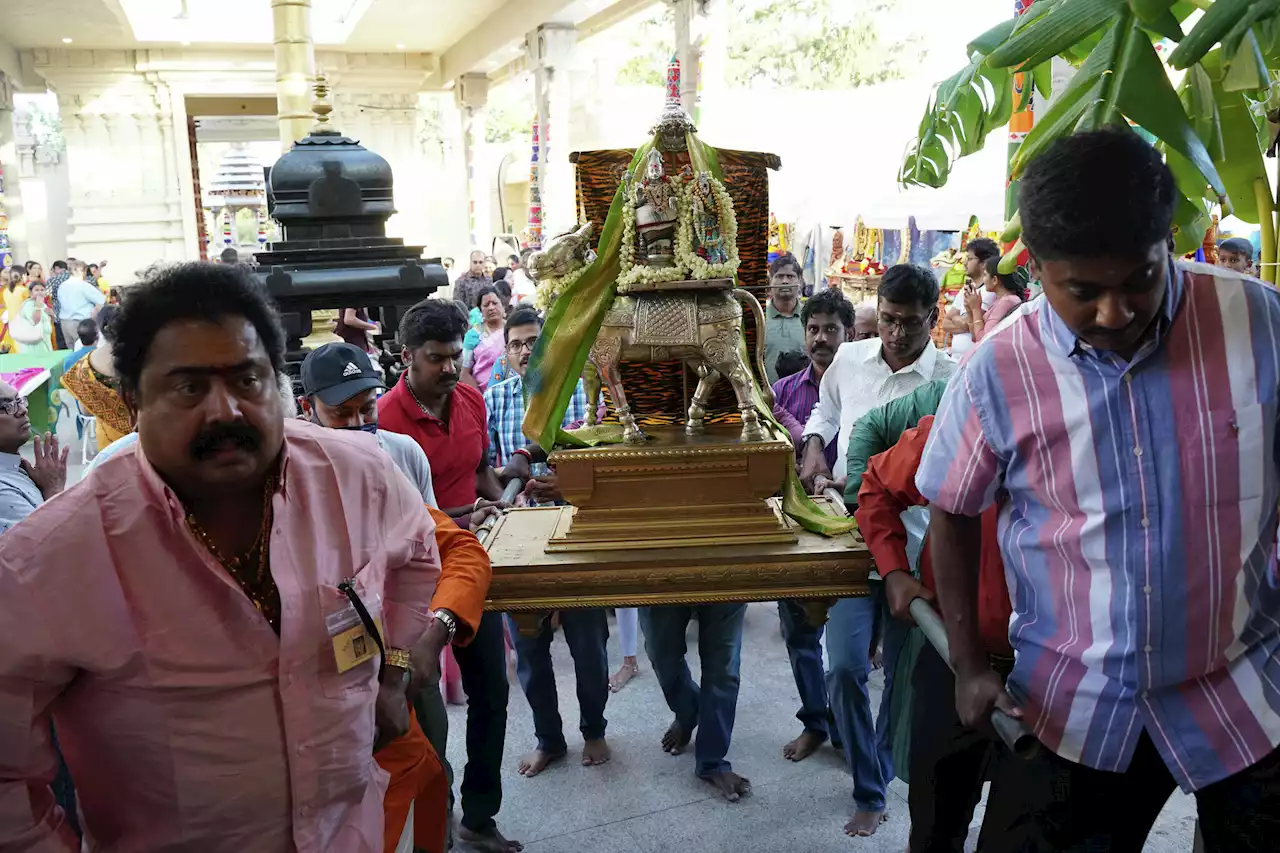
(700, 327)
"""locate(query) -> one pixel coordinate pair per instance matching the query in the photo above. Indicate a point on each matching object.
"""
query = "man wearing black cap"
(341, 392)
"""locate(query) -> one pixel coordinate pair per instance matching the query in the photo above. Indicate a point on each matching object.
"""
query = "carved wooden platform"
(529, 581)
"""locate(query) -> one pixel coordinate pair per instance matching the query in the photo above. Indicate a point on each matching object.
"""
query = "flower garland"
(631, 273)
(548, 289)
(685, 254)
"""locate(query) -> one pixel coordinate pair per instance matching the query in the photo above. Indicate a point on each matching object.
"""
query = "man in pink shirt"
(220, 620)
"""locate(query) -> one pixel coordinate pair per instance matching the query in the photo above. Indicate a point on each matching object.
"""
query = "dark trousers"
(711, 706)
(483, 665)
(949, 762)
(1050, 803)
(64, 792)
(428, 707)
(587, 633)
(804, 648)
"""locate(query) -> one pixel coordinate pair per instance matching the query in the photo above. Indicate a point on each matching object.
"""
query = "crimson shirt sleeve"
(888, 488)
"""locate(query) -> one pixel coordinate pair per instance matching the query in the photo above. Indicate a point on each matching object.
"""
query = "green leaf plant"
(1214, 125)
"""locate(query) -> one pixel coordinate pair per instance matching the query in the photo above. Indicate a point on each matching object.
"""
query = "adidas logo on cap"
(351, 369)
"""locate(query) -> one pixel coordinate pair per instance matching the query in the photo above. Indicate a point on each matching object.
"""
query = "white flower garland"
(550, 288)
(685, 255)
(632, 273)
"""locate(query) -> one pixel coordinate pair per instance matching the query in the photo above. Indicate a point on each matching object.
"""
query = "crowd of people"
(229, 635)
(42, 315)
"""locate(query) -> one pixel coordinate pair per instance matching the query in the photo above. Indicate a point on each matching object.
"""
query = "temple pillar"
(295, 67)
(125, 201)
(701, 47)
(9, 194)
(550, 50)
(472, 94)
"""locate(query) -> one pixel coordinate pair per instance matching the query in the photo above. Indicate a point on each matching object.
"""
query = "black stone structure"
(332, 198)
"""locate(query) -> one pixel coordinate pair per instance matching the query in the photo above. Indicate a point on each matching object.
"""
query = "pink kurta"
(187, 724)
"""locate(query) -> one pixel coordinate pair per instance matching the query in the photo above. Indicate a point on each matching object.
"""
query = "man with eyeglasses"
(25, 485)
(585, 630)
(783, 328)
(866, 374)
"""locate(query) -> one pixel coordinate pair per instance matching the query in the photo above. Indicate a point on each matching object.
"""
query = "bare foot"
(629, 670)
(675, 738)
(864, 824)
(537, 761)
(803, 746)
(490, 840)
(595, 752)
(730, 785)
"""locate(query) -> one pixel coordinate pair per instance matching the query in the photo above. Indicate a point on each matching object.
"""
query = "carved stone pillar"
(550, 50)
(472, 94)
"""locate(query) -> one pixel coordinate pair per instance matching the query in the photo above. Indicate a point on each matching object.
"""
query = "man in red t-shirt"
(948, 762)
(448, 421)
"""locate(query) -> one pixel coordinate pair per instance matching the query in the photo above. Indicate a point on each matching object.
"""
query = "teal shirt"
(879, 429)
(782, 333)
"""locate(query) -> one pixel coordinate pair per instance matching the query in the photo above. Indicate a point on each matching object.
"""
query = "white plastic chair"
(89, 428)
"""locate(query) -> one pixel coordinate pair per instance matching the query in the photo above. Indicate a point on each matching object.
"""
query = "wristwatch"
(447, 619)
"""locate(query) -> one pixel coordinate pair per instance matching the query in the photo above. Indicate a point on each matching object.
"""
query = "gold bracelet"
(396, 657)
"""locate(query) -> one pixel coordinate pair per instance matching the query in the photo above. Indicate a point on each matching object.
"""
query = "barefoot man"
(710, 708)
(585, 630)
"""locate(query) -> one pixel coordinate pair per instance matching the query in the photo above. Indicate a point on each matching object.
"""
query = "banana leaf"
(1067, 108)
(1217, 21)
(962, 111)
(1196, 94)
(1143, 92)
(1241, 163)
(1064, 25)
(1150, 10)
(1246, 69)
(1000, 33)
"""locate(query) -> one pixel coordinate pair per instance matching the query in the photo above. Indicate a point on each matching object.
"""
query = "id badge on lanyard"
(356, 636)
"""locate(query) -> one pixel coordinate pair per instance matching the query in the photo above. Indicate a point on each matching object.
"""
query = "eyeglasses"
(516, 346)
(13, 405)
(906, 325)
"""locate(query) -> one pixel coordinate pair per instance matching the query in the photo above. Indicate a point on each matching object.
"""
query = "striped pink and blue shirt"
(1138, 523)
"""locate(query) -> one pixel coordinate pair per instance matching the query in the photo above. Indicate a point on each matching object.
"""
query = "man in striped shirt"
(1128, 421)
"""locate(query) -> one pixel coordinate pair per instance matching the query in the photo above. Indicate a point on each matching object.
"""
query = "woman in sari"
(32, 331)
(15, 293)
(92, 381)
(486, 342)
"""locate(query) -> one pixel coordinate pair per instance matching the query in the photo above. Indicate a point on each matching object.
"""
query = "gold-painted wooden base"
(531, 581)
(678, 490)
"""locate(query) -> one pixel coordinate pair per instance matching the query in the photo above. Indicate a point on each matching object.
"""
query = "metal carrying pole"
(1015, 733)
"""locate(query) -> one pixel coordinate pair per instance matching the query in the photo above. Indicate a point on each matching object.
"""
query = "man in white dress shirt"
(866, 374)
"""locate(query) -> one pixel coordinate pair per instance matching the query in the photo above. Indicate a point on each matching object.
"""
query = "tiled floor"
(645, 801)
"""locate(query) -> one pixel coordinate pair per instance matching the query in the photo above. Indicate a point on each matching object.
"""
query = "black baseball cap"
(337, 372)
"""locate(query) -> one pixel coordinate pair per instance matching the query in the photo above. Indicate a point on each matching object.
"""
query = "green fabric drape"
(572, 325)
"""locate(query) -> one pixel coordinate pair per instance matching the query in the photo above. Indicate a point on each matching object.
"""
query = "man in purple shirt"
(828, 322)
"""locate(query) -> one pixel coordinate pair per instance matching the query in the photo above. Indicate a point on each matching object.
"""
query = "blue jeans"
(804, 647)
(586, 632)
(710, 707)
(867, 741)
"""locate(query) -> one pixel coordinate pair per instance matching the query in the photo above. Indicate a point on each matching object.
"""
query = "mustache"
(209, 440)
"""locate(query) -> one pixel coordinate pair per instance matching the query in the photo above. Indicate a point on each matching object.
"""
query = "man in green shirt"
(879, 429)
(783, 328)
